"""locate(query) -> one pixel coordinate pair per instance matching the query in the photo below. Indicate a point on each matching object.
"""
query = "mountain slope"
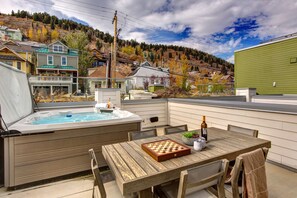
(44, 28)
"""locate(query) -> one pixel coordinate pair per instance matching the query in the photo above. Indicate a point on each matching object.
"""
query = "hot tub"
(46, 121)
(56, 143)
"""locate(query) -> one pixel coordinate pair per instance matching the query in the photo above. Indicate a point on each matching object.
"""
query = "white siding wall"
(145, 73)
(275, 101)
(280, 129)
(147, 110)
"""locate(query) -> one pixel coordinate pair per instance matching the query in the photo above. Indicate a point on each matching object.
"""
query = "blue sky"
(218, 27)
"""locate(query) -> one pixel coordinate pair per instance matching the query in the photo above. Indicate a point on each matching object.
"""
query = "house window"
(119, 85)
(58, 48)
(98, 85)
(19, 66)
(162, 81)
(63, 60)
(50, 60)
(8, 62)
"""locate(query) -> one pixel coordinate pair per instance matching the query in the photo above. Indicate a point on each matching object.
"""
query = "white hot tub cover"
(15, 96)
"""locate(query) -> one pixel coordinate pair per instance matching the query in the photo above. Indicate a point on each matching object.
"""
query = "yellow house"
(17, 56)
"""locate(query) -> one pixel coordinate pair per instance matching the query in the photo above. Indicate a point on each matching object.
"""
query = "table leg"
(146, 193)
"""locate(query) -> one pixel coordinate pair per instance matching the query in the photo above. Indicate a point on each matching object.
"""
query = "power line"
(127, 21)
(133, 19)
(71, 10)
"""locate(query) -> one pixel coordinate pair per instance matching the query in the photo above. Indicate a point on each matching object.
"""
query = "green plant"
(191, 134)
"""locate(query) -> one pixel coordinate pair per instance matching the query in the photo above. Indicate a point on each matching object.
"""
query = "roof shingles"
(100, 72)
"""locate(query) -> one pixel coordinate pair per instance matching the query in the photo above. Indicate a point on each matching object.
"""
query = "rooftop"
(17, 47)
(100, 72)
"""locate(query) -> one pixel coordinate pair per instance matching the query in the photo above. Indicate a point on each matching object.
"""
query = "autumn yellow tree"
(218, 84)
(202, 84)
(185, 69)
(31, 34)
(174, 71)
(54, 35)
(180, 72)
(128, 50)
(44, 34)
(139, 53)
(39, 35)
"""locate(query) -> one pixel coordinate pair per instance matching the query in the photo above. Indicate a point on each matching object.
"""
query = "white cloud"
(233, 43)
(231, 30)
(205, 18)
(206, 44)
(139, 36)
(231, 59)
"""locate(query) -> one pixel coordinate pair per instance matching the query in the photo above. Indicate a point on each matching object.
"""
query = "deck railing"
(73, 89)
(49, 79)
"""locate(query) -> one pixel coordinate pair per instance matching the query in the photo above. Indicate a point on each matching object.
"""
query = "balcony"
(269, 119)
(50, 79)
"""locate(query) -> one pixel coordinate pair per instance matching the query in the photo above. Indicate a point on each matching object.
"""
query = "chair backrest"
(237, 171)
(176, 129)
(98, 183)
(202, 177)
(246, 131)
(142, 134)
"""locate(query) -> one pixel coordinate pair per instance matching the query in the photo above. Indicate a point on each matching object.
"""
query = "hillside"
(44, 28)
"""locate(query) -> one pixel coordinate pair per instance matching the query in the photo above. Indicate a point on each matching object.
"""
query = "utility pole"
(115, 22)
(109, 71)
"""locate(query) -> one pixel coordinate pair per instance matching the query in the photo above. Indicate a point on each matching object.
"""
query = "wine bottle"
(204, 128)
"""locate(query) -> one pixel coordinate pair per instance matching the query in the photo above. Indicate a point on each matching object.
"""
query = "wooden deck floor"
(281, 183)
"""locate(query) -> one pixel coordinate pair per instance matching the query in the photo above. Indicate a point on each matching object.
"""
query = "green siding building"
(270, 67)
(56, 69)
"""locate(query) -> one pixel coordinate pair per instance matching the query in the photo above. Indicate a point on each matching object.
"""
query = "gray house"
(146, 75)
(56, 69)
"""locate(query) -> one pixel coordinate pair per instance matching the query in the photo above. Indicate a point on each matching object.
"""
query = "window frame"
(59, 48)
(48, 60)
(62, 60)
(19, 64)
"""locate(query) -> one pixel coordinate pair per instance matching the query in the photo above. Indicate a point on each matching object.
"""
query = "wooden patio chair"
(176, 129)
(237, 179)
(142, 134)
(194, 182)
(245, 131)
(101, 190)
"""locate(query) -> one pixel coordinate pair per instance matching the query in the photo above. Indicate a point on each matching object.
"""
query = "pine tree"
(224, 70)
(152, 57)
(98, 45)
(52, 24)
(12, 13)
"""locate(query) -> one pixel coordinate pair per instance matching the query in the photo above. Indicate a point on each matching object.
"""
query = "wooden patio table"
(136, 171)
